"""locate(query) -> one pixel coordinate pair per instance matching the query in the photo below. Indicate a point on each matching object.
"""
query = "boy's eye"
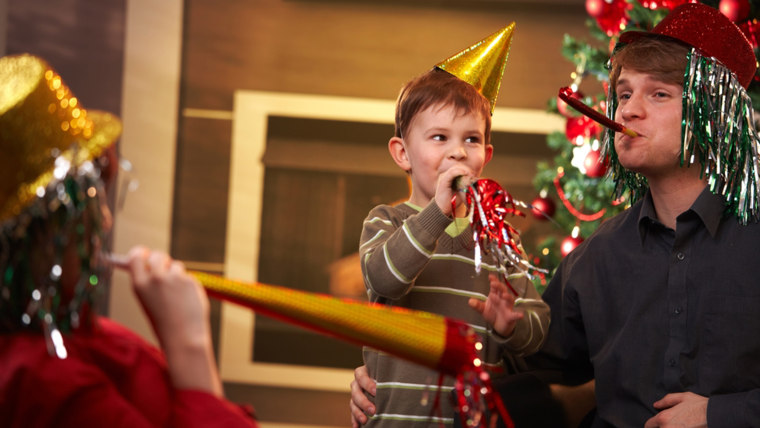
(473, 139)
(439, 137)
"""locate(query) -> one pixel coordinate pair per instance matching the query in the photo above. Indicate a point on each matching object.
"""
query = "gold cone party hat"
(41, 120)
(482, 64)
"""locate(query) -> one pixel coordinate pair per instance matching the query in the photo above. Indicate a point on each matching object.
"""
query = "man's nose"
(633, 108)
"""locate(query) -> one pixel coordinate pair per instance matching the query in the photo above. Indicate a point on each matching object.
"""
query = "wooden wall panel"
(364, 49)
(200, 197)
(82, 40)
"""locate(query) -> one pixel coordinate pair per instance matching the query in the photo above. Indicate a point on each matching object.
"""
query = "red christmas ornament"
(595, 167)
(735, 10)
(596, 8)
(543, 207)
(568, 244)
(611, 15)
(751, 29)
(581, 126)
(672, 4)
(651, 4)
(562, 106)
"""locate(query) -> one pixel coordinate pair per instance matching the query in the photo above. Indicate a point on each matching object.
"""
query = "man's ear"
(398, 153)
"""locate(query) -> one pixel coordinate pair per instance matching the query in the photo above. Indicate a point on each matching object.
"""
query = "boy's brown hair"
(663, 57)
(438, 87)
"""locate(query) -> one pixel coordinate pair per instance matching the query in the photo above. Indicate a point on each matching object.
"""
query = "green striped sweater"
(408, 259)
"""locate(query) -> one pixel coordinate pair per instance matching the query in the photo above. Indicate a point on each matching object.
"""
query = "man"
(659, 305)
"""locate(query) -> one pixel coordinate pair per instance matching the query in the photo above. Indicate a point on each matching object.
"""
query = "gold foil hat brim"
(482, 64)
(106, 130)
(40, 121)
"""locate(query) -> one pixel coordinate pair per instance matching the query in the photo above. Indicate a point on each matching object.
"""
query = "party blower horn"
(447, 345)
(444, 344)
(566, 95)
(432, 340)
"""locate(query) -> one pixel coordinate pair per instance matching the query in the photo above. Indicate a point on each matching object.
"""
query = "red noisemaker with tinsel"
(488, 206)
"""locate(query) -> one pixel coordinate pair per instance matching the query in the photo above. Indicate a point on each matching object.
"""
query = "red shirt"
(111, 377)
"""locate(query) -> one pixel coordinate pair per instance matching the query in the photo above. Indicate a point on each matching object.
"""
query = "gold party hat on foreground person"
(41, 121)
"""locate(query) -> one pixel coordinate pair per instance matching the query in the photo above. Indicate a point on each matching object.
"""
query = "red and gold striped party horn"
(444, 344)
(447, 345)
(432, 340)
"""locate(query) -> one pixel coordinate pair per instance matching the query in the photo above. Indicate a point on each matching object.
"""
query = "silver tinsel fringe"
(718, 130)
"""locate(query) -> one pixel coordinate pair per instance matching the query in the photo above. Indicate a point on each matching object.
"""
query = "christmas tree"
(573, 192)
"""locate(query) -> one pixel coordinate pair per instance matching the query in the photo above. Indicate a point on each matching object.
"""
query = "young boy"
(419, 254)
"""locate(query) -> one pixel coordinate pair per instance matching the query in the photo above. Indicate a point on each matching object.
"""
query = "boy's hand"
(446, 189)
(499, 308)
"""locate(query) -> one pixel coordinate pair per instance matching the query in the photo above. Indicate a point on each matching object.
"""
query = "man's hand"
(360, 405)
(682, 409)
(499, 308)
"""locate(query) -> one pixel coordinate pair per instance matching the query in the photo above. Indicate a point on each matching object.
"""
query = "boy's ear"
(398, 153)
(489, 154)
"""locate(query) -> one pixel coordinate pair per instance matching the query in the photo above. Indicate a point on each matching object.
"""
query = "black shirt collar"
(708, 207)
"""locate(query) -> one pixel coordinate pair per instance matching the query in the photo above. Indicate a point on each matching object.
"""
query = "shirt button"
(680, 256)
(677, 311)
(672, 363)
